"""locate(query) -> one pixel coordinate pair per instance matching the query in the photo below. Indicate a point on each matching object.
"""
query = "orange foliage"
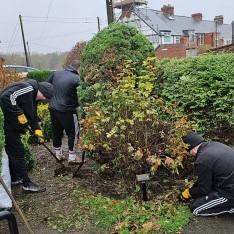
(7, 77)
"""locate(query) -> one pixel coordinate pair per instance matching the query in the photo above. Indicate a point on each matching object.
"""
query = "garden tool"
(16, 206)
(62, 170)
(80, 164)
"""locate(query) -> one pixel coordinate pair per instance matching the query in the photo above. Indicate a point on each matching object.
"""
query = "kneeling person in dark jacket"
(19, 105)
(213, 192)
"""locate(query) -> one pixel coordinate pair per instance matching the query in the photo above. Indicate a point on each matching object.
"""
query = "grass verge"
(120, 216)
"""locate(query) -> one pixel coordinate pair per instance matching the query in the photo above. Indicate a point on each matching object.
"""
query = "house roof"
(177, 24)
(226, 48)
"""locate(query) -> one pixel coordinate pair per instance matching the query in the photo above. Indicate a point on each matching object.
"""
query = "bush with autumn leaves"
(130, 128)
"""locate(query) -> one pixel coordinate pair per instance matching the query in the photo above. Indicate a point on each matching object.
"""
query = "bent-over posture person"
(213, 192)
(19, 106)
(63, 111)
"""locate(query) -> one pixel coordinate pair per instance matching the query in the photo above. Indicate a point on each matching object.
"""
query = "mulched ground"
(39, 207)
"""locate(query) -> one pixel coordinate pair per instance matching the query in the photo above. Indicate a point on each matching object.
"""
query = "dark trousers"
(211, 205)
(67, 121)
(15, 151)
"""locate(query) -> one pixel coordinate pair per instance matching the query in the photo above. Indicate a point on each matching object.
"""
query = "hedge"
(203, 88)
(39, 75)
(104, 55)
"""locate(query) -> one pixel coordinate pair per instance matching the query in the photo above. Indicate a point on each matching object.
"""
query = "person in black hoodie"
(18, 102)
(213, 192)
(63, 111)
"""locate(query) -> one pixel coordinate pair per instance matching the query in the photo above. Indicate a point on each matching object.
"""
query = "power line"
(63, 35)
(57, 21)
(48, 11)
(13, 37)
(64, 18)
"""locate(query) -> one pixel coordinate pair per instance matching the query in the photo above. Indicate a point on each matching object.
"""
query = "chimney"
(218, 19)
(168, 10)
(197, 16)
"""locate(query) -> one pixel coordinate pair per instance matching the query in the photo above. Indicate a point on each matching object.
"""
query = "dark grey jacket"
(65, 83)
(214, 167)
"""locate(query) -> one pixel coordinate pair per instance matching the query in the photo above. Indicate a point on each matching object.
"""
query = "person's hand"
(185, 195)
(22, 119)
(38, 133)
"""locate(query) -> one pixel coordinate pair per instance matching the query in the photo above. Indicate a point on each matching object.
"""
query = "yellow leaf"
(138, 154)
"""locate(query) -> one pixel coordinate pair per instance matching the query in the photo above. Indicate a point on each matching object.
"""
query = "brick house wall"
(171, 51)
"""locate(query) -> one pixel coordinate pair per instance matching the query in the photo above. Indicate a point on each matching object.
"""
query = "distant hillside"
(51, 61)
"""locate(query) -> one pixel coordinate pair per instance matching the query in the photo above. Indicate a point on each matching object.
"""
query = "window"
(191, 36)
(166, 39)
(200, 38)
(177, 39)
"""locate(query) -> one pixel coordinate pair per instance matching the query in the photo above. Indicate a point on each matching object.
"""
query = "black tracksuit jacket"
(214, 167)
(19, 98)
(65, 84)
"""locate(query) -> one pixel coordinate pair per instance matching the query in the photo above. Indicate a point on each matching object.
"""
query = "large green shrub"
(130, 128)
(103, 57)
(39, 75)
(203, 88)
(45, 122)
(29, 156)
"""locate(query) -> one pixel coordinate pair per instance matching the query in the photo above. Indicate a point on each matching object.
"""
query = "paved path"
(211, 225)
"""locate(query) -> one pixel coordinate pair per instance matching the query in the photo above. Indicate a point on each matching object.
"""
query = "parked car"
(21, 70)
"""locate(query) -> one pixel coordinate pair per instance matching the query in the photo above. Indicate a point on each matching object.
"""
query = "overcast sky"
(56, 25)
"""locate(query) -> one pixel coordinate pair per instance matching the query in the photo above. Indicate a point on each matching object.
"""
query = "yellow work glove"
(38, 133)
(185, 195)
(22, 119)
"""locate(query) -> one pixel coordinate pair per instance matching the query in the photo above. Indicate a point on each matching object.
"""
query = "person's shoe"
(59, 153)
(72, 158)
(16, 182)
(32, 188)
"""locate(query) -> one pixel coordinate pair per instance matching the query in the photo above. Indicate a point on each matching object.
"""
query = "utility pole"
(109, 10)
(232, 32)
(98, 21)
(25, 49)
(29, 55)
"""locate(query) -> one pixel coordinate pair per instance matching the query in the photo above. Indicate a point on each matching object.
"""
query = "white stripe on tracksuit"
(208, 205)
(19, 92)
(231, 211)
(76, 123)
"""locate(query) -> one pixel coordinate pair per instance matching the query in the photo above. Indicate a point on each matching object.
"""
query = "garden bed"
(93, 203)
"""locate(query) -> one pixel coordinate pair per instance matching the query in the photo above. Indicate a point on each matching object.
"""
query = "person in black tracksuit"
(213, 192)
(63, 111)
(19, 106)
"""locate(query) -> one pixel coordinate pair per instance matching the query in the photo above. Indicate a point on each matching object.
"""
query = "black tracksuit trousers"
(67, 121)
(211, 205)
(15, 151)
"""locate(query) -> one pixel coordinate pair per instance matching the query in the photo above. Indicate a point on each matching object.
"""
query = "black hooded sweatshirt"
(214, 167)
(20, 98)
(65, 84)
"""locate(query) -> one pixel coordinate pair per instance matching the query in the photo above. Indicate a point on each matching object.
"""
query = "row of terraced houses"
(173, 35)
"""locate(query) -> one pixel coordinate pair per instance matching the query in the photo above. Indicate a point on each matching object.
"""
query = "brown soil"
(57, 198)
